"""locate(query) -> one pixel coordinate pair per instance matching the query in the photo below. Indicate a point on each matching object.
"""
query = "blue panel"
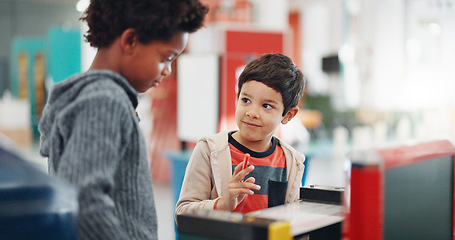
(34, 205)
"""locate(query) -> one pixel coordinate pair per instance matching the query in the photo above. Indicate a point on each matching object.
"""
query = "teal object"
(305, 170)
(179, 161)
(60, 52)
(64, 53)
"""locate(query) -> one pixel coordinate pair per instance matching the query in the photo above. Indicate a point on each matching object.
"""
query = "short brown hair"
(278, 72)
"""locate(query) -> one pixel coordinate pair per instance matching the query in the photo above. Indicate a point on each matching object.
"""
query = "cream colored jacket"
(210, 169)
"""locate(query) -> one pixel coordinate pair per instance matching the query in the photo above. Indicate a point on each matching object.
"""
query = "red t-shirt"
(268, 165)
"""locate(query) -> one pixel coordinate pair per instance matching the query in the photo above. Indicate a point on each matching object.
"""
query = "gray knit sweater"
(91, 136)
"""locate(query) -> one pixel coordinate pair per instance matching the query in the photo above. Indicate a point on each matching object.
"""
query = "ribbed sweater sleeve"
(93, 128)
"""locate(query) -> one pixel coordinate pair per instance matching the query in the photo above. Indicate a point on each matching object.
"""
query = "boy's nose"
(167, 70)
(252, 113)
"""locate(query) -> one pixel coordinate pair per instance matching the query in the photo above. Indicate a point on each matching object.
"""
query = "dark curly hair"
(278, 72)
(151, 19)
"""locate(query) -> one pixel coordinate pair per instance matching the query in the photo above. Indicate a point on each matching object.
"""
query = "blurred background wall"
(30, 18)
(377, 71)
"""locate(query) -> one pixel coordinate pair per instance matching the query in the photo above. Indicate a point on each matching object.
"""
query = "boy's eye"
(245, 100)
(169, 59)
(267, 106)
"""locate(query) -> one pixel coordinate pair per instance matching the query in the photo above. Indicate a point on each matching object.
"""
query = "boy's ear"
(289, 115)
(128, 40)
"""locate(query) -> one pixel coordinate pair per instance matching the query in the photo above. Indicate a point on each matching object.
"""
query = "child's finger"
(239, 175)
(241, 197)
(235, 192)
(250, 180)
(248, 184)
(251, 185)
(237, 169)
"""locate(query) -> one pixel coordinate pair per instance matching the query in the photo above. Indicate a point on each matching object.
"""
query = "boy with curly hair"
(269, 91)
(90, 130)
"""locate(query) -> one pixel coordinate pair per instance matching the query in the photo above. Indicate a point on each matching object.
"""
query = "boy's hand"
(238, 189)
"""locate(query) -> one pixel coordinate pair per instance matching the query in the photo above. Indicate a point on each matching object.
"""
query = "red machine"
(402, 192)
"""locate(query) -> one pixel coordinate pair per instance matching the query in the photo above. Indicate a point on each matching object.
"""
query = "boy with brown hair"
(270, 89)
